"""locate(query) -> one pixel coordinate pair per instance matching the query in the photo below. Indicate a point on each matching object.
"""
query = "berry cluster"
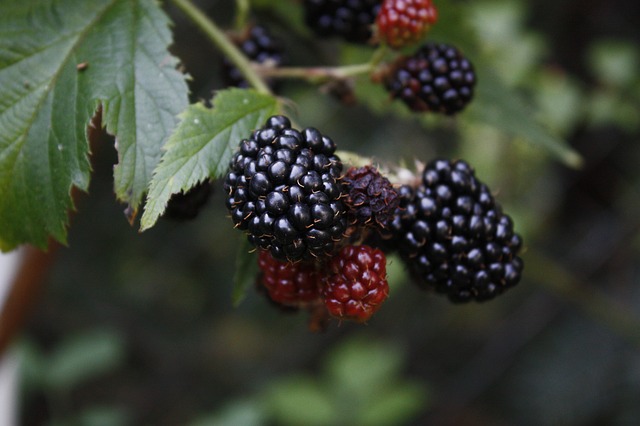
(283, 190)
(436, 78)
(260, 46)
(349, 286)
(322, 234)
(454, 237)
(351, 19)
(403, 22)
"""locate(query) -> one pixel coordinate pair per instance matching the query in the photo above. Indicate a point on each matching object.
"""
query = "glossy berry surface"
(371, 198)
(283, 190)
(260, 46)
(436, 78)
(351, 20)
(454, 237)
(288, 284)
(357, 285)
(403, 22)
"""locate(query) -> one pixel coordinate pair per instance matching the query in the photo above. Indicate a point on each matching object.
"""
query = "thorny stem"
(217, 36)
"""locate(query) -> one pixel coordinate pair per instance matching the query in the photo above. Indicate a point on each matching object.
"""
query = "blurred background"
(138, 329)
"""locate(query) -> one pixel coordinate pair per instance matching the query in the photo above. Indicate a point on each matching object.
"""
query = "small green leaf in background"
(203, 143)
(58, 62)
(243, 412)
(615, 63)
(361, 384)
(83, 357)
(97, 416)
(300, 400)
(504, 108)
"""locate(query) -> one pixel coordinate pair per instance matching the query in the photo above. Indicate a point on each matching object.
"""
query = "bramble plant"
(72, 65)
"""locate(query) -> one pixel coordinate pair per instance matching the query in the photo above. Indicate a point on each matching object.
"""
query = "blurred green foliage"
(561, 348)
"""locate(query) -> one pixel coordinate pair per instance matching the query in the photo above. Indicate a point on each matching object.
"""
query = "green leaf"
(246, 271)
(58, 62)
(203, 143)
(299, 400)
(397, 405)
(84, 357)
(503, 108)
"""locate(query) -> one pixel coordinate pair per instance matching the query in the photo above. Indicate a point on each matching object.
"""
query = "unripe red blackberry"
(187, 205)
(357, 284)
(403, 22)
(437, 78)
(260, 46)
(351, 20)
(454, 237)
(288, 284)
(282, 189)
(371, 199)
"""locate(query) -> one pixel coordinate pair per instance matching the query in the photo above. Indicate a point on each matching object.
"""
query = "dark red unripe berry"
(403, 22)
(357, 284)
(288, 284)
(371, 199)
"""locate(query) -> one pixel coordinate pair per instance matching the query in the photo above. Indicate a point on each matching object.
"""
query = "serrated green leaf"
(246, 271)
(203, 143)
(58, 62)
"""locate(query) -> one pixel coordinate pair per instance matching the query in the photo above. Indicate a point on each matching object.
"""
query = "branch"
(222, 42)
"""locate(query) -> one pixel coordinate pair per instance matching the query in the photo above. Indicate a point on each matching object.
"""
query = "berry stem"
(316, 74)
(220, 40)
(242, 12)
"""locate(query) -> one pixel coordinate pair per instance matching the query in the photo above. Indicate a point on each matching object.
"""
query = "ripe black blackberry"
(186, 205)
(283, 190)
(260, 46)
(437, 78)
(350, 19)
(454, 237)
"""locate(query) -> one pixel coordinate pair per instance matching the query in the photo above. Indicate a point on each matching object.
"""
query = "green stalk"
(220, 40)
(242, 12)
(314, 74)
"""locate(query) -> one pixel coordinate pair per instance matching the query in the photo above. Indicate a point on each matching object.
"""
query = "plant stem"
(314, 74)
(220, 40)
(242, 12)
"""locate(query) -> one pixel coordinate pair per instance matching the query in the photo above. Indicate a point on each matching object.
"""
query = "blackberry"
(187, 205)
(437, 78)
(289, 284)
(356, 285)
(350, 19)
(371, 198)
(283, 189)
(454, 237)
(402, 22)
(260, 46)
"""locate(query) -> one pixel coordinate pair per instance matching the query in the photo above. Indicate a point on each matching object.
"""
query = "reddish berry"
(371, 199)
(288, 284)
(357, 285)
(403, 22)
